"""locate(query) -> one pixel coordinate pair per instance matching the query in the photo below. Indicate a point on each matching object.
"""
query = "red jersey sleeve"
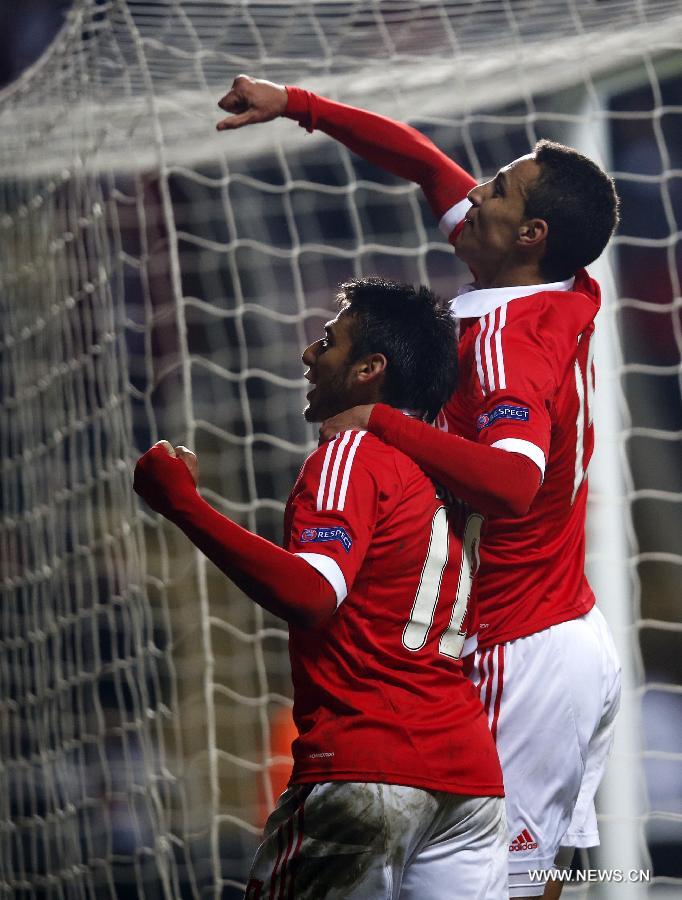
(332, 511)
(518, 383)
(398, 148)
(523, 351)
(274, 578)
(492, 481)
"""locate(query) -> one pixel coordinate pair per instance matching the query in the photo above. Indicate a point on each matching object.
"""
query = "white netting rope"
(160, 280)
(82, 699)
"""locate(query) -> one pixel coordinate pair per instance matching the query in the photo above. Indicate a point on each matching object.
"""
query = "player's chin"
(460, 245)
(318, 412)
(317, 409)
(310, 414)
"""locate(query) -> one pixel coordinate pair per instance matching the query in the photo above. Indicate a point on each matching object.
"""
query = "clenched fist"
(165, 476)
(252, 100)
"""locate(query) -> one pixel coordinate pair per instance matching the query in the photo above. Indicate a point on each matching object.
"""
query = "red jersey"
(526, 385)
(379, 693)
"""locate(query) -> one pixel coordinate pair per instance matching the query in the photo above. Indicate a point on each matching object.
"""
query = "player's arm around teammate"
(524, 400)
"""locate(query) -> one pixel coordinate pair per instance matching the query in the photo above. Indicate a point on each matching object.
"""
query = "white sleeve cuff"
(525, 448)
(454, 216)
(330, 570)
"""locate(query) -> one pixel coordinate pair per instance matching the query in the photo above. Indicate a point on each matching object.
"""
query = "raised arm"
(395, 147)
(277, 580)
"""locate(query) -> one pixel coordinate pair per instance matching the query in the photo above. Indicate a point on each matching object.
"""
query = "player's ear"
(370, 368)
(533, 232)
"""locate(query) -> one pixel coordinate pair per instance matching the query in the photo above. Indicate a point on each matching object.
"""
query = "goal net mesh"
(159, 280)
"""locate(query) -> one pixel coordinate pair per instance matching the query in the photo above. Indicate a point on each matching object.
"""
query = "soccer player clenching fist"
(396, 788)
(515, 441)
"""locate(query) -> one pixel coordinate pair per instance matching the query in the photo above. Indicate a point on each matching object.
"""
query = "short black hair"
(416, 333)
(578, 200)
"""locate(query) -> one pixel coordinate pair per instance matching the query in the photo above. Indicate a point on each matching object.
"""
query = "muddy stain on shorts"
(353, 833)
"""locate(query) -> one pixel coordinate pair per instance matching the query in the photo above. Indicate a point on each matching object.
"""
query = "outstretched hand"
(252, 100)
(357, 417)
(164, 475)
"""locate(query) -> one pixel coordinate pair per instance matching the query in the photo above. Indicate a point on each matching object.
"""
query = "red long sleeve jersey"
(526, 386)
(379, 693)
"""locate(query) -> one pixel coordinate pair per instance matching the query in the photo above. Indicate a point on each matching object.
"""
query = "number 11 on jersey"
(424, 607)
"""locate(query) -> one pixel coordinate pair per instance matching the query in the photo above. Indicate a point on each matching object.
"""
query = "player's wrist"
(380, 418)
(184, 504)
(298, 107)
(297, 101)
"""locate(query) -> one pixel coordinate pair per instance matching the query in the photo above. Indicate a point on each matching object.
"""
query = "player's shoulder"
(352, 462)
(547, 326)
(356, 451)
(353, 447)
(557, 312)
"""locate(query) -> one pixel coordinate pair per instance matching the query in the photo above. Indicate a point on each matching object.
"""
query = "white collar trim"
(471, 302)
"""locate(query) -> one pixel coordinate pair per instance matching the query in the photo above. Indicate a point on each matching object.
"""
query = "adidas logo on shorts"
(523, 841)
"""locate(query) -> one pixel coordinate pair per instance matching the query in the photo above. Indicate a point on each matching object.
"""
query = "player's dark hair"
(579, 203)
(416, 333)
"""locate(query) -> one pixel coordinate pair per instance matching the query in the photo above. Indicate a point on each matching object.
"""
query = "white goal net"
(158, 279)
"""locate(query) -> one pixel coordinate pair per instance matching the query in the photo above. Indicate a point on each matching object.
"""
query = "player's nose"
(476, 194)
(309, 355)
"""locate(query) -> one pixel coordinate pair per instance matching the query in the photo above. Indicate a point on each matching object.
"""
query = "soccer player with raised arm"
(396, 790)
(515, 441)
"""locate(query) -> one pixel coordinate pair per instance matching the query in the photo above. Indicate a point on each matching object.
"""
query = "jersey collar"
(471, 303)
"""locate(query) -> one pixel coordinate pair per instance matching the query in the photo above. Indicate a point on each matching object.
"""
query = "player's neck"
(513, 276)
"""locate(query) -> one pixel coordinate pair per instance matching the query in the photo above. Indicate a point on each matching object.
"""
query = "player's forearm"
(493, 481)
(386, 143)
(277, 580)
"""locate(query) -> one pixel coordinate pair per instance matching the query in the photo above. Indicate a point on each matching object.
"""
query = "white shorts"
(551, 700)
(342, 840)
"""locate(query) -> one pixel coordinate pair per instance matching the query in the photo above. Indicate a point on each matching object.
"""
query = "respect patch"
(323, 535)
(504, 411)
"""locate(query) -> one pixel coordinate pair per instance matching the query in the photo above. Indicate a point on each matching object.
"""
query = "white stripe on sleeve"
(488, 353)
(454, 216)
(348, 467)
(323, 476)
(477, 348)
(525, 448)
(338, 454)
(329, 569)
(501, 374)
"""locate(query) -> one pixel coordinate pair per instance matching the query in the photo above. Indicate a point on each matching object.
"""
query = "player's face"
(329, 371)
(488, 242)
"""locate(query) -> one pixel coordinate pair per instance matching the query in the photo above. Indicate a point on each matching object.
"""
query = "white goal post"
(158, 279)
